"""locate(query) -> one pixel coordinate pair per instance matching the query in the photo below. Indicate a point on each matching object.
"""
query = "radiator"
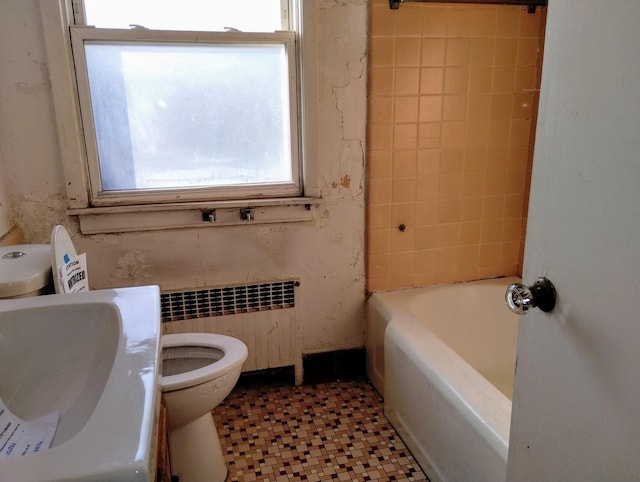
(262, 315)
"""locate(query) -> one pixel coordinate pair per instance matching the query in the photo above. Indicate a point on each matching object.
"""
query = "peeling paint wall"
(325, 254)
(5, 215)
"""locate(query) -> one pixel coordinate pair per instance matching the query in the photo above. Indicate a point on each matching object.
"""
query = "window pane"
(189, 115)
(212, 15)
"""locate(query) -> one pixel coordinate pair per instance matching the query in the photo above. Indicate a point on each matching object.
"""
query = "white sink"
(94, 358)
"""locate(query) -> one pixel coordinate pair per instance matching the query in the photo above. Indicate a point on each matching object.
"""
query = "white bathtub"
(444, 359)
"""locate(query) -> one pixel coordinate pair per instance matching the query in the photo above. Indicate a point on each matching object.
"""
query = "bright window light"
(200, 103)
(173, 115)
(211, 15)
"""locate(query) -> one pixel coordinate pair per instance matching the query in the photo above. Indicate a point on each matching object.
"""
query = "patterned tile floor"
(321, 432)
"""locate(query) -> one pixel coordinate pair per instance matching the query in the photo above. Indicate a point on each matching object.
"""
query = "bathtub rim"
(490, 419)
(393, 303)
(481, 404)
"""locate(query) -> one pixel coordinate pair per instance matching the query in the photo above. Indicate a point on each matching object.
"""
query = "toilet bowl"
(198, 371)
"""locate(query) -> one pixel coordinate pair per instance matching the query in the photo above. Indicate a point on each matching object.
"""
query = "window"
(181, 101)
(187, 114)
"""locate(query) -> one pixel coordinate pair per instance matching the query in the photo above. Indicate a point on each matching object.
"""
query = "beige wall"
(327, 254)
(5, 213)
(453, 92)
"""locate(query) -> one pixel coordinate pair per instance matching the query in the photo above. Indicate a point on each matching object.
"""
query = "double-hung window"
(186, 101)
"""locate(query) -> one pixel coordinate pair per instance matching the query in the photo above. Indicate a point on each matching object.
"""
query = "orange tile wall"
(453, 93)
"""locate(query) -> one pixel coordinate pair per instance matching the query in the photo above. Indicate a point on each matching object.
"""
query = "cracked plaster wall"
(327, 255)
(6, 222)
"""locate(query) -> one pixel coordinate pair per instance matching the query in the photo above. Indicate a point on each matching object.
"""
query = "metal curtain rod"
(531, 4)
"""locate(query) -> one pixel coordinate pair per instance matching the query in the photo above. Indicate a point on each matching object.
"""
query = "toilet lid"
(61, 247)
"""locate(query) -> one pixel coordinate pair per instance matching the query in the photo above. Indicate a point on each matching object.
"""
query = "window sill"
(151, 217)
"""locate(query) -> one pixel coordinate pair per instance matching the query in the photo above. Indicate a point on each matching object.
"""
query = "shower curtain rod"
(531, 4)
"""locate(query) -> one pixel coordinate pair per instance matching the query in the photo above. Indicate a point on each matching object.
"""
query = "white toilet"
(198, 371)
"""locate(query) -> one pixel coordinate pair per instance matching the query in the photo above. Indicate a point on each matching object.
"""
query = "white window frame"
(103, 213)
(100, 197)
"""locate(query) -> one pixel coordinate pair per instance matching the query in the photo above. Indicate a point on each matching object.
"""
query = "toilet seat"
(233, 352)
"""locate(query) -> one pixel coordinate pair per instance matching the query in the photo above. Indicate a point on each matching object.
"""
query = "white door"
(576, 409)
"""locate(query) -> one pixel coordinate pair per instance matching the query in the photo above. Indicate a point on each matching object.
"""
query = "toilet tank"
(25, 270)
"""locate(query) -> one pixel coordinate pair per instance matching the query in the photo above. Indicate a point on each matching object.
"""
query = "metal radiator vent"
(229, 300)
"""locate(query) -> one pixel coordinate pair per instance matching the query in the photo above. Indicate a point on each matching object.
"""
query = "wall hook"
(247, 214)
(209, 216)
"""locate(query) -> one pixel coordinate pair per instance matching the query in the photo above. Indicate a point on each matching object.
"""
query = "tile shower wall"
(453, 94)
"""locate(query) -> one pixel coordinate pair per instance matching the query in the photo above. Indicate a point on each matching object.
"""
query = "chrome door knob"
(520, 298)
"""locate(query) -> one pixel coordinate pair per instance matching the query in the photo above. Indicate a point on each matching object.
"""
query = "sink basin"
(93, 358)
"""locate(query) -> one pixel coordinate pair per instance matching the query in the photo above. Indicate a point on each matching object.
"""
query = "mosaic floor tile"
(316, 433)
